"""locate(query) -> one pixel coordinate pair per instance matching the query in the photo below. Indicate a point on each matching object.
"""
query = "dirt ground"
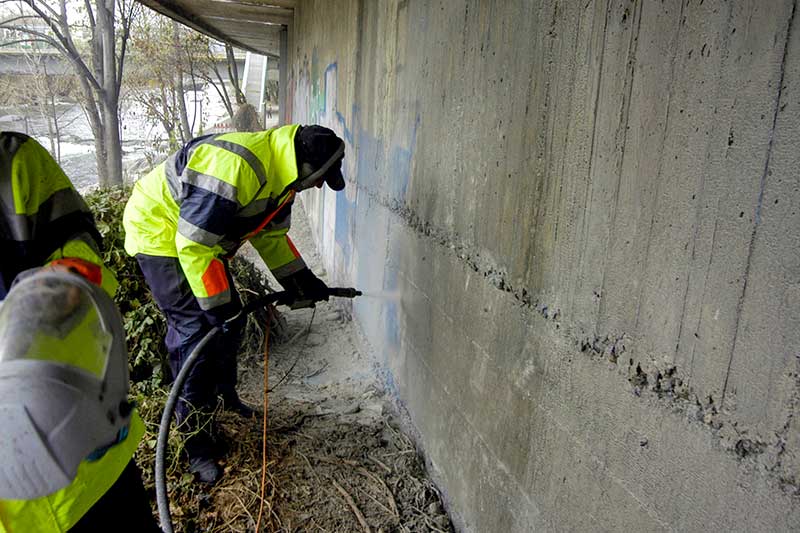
(337, 460)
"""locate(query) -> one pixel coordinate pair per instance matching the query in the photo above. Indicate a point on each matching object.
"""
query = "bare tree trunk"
(56, 127)
(233, 74)
(186, 128)
(109, 108)
(52, 113)
(50, 132)
(113, 142)
(194, 106)
(90, 109)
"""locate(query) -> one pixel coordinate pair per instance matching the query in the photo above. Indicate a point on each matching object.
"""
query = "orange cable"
(264, 427)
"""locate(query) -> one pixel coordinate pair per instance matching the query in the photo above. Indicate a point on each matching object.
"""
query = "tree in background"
(211, 74)
(93, 37)
(233, 76)
(166, 57)
(169, 62)
(43, 91)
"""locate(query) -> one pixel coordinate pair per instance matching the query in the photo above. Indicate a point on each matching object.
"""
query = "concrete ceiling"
(252, 25)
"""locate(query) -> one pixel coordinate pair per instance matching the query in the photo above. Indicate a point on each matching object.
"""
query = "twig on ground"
(401, 452)
(428, 521)
(353, 506)
(337, 461)
(243, 507)
(392, 502)
(379, 463)
(374, 499)
(310, 468)
(317, 371)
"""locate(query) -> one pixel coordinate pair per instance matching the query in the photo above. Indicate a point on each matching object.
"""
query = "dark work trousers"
(214, 371)
(124, 507)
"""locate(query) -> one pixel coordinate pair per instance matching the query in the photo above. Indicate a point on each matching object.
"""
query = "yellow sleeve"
(278, 252)
(204, 271)
(80, 249)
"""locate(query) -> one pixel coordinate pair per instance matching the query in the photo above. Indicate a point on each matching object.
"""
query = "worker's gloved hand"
(218, 316)
(303, 285)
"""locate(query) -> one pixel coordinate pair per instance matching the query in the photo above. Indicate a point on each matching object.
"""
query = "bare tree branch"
(66, 40)
(21, 41)
(6, 22)
(89, 13)
(222, 91)
(126, 32)
(30, 31)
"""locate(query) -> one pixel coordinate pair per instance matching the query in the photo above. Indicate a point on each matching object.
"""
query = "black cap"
(317, 145)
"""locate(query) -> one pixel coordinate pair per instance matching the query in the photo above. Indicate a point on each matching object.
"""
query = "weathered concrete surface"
(583, 218)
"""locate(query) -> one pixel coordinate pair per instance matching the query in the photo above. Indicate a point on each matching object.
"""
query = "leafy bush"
(145, 326)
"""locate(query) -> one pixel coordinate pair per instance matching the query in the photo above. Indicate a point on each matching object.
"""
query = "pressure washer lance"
(276, 298)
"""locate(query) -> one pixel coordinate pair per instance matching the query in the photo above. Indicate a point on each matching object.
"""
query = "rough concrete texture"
(582, 220)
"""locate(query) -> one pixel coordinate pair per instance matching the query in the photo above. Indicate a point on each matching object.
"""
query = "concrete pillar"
(262, 107)
(282, 77)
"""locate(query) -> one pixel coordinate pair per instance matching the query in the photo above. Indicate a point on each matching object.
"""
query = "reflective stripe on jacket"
(40, 211)
(205, 200)
(61, 510)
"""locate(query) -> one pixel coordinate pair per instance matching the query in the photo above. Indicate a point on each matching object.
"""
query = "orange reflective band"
(270, 216)
(215, 280)
(292, 247)
(82, 267)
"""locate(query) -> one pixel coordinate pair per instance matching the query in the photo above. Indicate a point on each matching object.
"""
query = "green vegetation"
(145, 326)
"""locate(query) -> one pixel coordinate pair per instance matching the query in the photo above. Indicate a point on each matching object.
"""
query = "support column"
(262, 101)
(282, 77)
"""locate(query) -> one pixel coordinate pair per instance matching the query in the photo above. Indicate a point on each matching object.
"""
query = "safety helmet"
(63, 381)
(319, 154)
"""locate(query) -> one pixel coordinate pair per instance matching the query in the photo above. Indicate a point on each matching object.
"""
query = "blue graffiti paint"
(320, 96)
(346, 133)
(368, 160)
(399, 169)
(343, 226)
(386, 170)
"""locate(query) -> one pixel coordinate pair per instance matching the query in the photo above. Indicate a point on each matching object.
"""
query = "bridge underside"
(251, 25)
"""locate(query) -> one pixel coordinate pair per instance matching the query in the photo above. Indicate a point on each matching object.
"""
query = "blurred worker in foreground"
(69, 433)
(42, 217)
(189, 215)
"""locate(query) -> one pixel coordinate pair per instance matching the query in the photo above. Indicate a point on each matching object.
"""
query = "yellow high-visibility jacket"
(42, 216)
(42, 219)
(58, 512)
(205, 200)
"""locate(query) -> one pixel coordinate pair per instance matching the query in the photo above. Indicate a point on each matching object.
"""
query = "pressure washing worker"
(69, 432)
(188, 216)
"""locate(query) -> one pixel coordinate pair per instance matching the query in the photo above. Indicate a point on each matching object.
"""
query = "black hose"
(163, 431)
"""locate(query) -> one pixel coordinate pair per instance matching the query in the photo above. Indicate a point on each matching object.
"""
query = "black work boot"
(233, 404)
(198, 443)
(205, 469)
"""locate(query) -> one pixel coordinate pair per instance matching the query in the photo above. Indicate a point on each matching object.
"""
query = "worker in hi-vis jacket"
(69, 432)
(188, 216)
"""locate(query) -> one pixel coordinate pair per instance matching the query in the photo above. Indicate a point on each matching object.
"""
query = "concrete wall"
(584, 221)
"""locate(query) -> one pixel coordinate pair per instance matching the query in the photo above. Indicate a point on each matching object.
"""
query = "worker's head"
(319, 158)
(63, 381)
